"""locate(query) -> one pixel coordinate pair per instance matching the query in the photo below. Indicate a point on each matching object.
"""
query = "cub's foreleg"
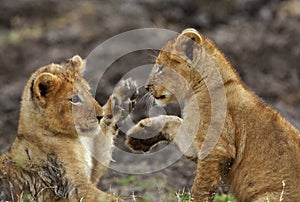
(115, 111)
(152, 131)
(207, 179)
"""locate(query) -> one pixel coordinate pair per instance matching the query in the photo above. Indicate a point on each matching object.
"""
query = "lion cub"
(48, 160)
(234, 137)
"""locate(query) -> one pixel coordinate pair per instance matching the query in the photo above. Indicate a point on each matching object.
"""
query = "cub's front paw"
(123, 99)
(145, 135)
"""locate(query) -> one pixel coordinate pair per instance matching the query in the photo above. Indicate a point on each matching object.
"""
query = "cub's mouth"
(163, 99)
(160, 97)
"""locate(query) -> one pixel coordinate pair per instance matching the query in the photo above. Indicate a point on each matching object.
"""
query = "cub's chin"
(163, 97)
(160, 102)
(89, 132)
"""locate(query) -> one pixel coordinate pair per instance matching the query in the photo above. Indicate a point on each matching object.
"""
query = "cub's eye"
(159, 69)
(75, 100)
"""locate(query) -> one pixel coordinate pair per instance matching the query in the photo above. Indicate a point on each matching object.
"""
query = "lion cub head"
(181, 66)
(57, 101)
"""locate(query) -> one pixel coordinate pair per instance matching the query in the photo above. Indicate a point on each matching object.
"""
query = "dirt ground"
(259, 37)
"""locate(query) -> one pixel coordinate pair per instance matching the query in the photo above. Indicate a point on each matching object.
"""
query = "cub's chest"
(87, 144)
(88, 163)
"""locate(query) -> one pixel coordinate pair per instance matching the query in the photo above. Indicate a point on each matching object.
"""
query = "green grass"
(224, 198)
(144, 185)
(164, 194)
(184, 196)
(26, 198)
(126, 181)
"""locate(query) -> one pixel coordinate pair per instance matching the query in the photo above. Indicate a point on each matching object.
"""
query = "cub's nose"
(99, 117)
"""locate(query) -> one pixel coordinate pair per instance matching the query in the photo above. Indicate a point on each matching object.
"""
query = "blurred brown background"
(259, 37)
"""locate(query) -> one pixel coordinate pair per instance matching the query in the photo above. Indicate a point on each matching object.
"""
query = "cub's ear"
(44, 86)
(187, 41)
(76, 64)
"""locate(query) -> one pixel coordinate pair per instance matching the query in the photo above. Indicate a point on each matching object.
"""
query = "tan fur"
(257, 151)
(47, 161)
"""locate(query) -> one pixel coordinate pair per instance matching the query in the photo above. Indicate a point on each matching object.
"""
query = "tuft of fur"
(257, 149)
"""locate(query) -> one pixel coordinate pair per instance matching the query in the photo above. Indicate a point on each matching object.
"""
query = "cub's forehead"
(170, 56)
(169, 46)
(80, 81)
(65, 73)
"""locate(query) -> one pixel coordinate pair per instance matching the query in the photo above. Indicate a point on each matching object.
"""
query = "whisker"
(152, 53)
(148, 99)
(144, 97)
(151, 101)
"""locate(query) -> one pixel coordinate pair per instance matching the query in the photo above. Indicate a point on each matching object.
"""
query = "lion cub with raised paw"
(59, 123)
(235, 138)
